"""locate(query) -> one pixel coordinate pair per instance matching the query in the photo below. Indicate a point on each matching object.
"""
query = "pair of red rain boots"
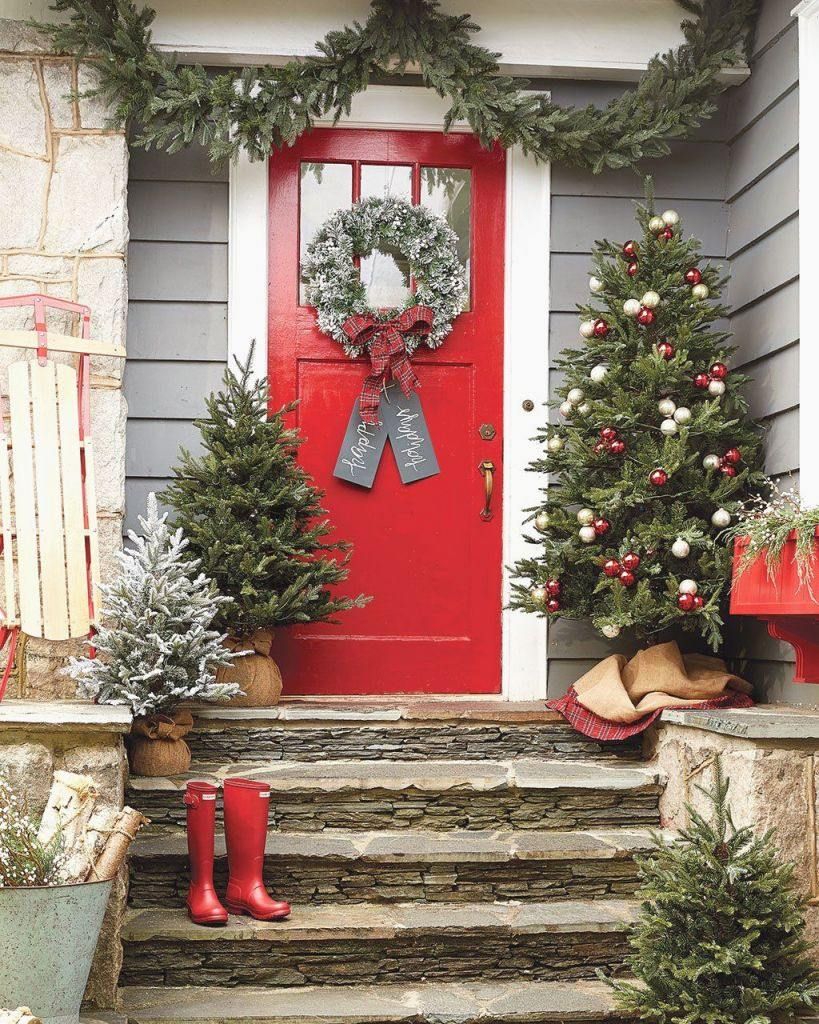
(246, 809)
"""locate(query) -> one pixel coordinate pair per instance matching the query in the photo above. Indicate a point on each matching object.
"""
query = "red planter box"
(788, 609)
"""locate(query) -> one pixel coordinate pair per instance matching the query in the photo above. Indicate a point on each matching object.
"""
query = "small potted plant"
(776, 554)
(156, 649)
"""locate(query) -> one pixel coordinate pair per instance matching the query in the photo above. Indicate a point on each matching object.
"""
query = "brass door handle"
(487, 469)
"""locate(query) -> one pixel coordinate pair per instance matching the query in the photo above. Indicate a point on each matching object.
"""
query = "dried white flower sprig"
(24, 860)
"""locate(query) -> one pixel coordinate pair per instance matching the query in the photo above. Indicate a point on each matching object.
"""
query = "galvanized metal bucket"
(47, 940)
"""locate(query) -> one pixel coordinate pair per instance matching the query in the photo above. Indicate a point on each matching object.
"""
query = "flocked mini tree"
(652, 450)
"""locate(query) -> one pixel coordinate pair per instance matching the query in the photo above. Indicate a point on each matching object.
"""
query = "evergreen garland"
(720, 937)
(179, 104)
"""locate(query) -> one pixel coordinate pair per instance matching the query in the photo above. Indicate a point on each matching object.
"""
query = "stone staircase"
(447, 860)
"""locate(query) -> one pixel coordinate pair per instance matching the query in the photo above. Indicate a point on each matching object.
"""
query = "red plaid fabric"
(384, 340)
(586, 722)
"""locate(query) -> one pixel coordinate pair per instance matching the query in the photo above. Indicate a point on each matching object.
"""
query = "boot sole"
(241, 911)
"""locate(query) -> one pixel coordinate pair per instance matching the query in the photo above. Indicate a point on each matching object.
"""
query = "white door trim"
(526, 341)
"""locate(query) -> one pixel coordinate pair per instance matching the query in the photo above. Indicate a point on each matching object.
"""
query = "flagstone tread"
(385, 921)
(334, 776)
(519, 1002)
(388, 709)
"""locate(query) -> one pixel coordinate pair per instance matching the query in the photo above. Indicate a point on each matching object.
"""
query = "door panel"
(432, 565)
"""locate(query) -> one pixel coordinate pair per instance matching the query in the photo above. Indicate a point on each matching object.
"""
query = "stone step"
(409, 730)
(437, 795)
(373, 944)
(388, 867)
(533, 1002)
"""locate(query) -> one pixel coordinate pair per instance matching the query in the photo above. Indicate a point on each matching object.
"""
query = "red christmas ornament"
(659, 478)
(628, 579)
(698, 602)
(631, 561)
(601, 328)
(611, 567)
(719, 371)
(632, 268)
(733, 456)
(608, 434)
(553, 587)
(617, 447)
(630, 249)
(666, 349)
(553, 605)
(601, 526)
(646, 316)
(693, 276)
(728, 470)
(685, 602)
(701, 381)
(665, 235)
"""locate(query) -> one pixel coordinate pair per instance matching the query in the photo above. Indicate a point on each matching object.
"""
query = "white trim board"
(526, 335)
(808, 14)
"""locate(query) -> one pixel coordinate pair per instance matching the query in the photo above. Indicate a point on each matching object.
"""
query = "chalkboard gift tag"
(405, 422)
(360, 450)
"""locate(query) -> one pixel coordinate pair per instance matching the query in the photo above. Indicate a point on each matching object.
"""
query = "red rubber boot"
(246, 808)
(203, 903)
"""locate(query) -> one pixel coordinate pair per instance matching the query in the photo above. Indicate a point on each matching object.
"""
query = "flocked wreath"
(421, 237)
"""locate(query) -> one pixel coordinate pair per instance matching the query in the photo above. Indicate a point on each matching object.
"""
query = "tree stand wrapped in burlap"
(256, 673)
(156, 746)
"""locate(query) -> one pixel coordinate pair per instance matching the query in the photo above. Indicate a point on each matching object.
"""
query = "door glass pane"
(447, 191)
(384, 273)
(324, 188)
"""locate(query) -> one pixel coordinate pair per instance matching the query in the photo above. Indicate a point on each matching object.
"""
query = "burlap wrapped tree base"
(256, 673)
(156, 745)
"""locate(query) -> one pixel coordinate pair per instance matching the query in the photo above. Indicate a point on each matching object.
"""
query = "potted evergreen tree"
(255, 522)
(156, 647)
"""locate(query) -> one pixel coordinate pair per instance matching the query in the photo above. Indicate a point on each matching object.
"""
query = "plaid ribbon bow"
(384, 340)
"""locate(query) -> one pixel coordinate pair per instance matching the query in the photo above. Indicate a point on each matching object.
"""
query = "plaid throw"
(586, 722)
(384, 340)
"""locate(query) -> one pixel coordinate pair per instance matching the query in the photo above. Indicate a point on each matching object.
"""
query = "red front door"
(430, 562)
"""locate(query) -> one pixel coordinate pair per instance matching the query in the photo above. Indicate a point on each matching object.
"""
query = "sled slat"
(10, 605)
(73, 518)
(25, 517)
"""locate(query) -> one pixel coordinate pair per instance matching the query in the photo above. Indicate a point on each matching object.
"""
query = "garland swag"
(176, 104)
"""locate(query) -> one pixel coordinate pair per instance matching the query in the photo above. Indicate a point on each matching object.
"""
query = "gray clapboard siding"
(177, 211)
(774, 384)
(773, 72)
(768, 324)
(187, 331)
(184, 387)
(178, 271)
(774, 18)
(152, 446)
(766, 142)
(782, 442)
(769, 203)
(764, 267)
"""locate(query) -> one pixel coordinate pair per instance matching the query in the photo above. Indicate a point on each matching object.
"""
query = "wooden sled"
(48, 510)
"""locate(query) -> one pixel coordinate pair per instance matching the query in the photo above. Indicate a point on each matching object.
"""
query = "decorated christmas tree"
(156, 647)
(652, 451)
(720, 937)
(254, 518)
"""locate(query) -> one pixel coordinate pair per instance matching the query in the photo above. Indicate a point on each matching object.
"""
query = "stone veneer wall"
(64, 232)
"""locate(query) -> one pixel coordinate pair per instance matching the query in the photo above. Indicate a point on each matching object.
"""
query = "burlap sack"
(156, 746)
(256, 673)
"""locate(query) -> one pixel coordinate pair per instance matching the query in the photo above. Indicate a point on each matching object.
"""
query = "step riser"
(471, 955)
(163, 882)
(439, 742)
(375, 809)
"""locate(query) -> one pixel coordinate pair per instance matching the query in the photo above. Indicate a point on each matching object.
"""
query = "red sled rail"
(780, 599)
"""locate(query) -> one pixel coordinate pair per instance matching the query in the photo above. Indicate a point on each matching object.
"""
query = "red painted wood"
(421, 550)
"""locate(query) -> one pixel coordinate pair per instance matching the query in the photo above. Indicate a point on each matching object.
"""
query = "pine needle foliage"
(254, 518)
(179, 104)
(645, 520)
(24, 860)
(720, 937)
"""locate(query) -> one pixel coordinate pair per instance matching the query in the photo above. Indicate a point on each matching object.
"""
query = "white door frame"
(526, 332)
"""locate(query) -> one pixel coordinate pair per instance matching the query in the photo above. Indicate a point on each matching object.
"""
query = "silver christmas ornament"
(700, 291)
(585, 517)
(584, 409)
(711, 462)
(682, 415)
(688, 587)
(555, 444)
(587, 534)
(542, 522)
(651, 300)
(575, 396)
(716, 388)
(598, 373)
(595, 285)
(587, 329)
(721, 518)
(667, 407)
(670, 218)
(656, 224)
(631, 307)
(566, 409)
(610, 631)
(680, 548)
(669, 428)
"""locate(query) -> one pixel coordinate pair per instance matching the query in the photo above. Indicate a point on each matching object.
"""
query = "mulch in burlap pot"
(156, 746)
(256, 673)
